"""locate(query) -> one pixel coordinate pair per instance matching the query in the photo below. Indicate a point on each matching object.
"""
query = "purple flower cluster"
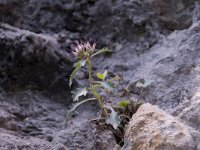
(83, 49)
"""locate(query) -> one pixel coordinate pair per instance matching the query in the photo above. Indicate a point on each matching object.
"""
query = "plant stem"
(101, 104)
(96, 95)
(89, 71)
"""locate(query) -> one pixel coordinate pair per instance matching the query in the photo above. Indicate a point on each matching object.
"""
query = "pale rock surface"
(153, 129)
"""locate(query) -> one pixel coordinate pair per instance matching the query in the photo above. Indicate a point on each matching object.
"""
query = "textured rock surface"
(29, 60)
(107, 21)
(189, 112)
(173, 67)
(10, 140)
(34, 93)
(155, 40)
(30, 120)
(153, 129)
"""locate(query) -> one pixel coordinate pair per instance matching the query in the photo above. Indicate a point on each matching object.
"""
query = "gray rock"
(59, 147)
(33, 121)
(11, 140)
(33, 61)
(132, 20)
(154, 40)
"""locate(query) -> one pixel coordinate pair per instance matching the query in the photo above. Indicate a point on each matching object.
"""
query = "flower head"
(83, 49)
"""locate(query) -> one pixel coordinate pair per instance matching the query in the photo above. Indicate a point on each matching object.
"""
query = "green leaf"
(143, 85)
(78, 65)
(103, 50)
(76, 105)
(123, 103)
(79, 92)
(113, 119)
(102, 76)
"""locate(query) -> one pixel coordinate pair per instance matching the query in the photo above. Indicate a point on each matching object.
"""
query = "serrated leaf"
(103, 50)
(79, 92)
(113, 119)
(143, 85)
(76, 105)
(123, 103)
(102, 76)
(78, 65)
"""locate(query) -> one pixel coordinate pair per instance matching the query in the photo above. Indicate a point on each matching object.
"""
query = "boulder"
(153, 129)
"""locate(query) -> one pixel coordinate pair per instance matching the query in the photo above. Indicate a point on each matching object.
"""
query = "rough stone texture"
(32, 121)
(189, 112)
(12, 141)
(34, 93)
(153, 129)
(32, 61)
(155, 40)
(107, 21)
(173, 67)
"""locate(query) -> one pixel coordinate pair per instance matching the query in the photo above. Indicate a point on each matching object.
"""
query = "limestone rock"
(189, 111)
(13, 141)
(153, 129)
(59, 147)
(151, 39)
(32, 61)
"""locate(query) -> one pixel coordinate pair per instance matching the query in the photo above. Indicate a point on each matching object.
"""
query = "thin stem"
(96, 95)
(89, 71)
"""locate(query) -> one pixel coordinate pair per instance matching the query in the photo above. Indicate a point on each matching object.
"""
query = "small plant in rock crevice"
(113, 117)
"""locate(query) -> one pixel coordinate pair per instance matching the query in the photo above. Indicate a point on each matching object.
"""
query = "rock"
(82, 135)
(11, 140)
(132, 20)
(154, 40)
(174, 79)
(29, 118)
(189, 111)
(153, 129)
(32, 61)
(59, 147)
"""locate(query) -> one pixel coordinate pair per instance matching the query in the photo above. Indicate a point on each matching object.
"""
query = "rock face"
(153, 129)
(31, 120)
(189, 112)
(132, 20)
(12, 141)
(29, 60)
(152, 40)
